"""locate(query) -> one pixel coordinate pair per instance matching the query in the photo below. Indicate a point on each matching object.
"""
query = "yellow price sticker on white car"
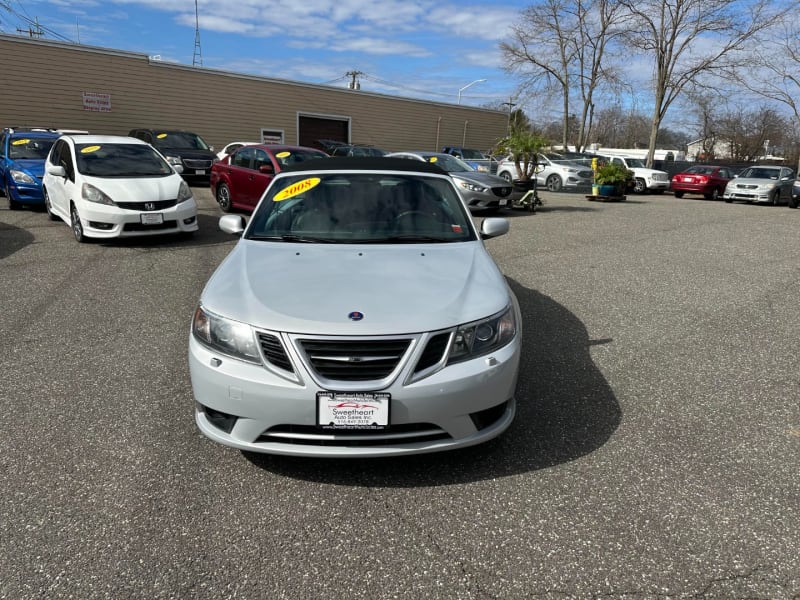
(89, 149)
(296, 188)
(161, 136)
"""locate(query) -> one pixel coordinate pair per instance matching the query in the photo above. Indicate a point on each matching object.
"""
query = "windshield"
(180, 139)
(350, 208)
(760, 173)
(634, 163)
(120, 160)
(29, 148)
(292, 157)
(448, 163)
(469, 154)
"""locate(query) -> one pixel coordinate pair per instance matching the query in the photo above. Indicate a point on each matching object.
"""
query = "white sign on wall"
(96, 102)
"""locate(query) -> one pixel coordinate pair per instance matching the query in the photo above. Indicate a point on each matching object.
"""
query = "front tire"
(77, 228)
(678, 194)
(48, 207)
(224, 197)
(793, 201)
(554, 183)
(506, 175)
(639, 186)
(776, 197)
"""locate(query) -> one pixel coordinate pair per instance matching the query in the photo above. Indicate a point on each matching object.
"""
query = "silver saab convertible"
(359, 315)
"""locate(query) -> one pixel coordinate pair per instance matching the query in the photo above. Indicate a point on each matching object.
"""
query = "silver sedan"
(479, 189)
(359, 315)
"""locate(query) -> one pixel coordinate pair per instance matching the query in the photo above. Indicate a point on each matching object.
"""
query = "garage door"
(313, 129)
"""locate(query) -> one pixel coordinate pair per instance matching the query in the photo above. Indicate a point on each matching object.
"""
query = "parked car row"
(766, 184)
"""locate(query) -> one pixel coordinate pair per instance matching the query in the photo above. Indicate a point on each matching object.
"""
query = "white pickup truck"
(644, 180)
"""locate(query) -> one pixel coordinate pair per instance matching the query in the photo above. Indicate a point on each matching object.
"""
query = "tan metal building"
(63, 85)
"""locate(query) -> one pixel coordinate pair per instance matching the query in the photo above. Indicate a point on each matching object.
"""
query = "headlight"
(224, 335)
(92, 194)
(184, 193)
(21, 176)
(482, 337)
(174, 160)
(472, 187)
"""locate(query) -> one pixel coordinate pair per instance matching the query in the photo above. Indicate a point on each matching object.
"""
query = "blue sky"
(414, 48)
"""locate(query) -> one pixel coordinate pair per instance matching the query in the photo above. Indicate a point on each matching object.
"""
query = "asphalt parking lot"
(655, 453)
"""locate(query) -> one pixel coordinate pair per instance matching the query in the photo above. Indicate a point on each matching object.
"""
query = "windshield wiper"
(300, 239)
(413, 238)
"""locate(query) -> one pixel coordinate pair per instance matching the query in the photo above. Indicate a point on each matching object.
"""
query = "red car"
(708, 180)
(239, 180)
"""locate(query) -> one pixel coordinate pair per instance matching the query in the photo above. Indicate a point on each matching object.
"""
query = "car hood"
(32, 166)
(486, 179)
(138, 189)
(753, 181)
(312, 288)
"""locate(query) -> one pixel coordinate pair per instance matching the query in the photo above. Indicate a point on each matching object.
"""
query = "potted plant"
(522, 146)
(612, 179)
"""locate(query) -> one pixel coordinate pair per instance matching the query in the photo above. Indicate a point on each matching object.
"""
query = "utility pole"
(37, 33)
(510, 104)
(354, 83)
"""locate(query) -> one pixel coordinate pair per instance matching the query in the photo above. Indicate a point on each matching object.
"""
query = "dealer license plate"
(152, 218)
(353, 410)
(502, 202)
(200, 172)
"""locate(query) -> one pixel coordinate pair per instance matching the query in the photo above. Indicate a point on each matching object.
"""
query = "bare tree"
(562, 45)
(690, 38)
(775, 69)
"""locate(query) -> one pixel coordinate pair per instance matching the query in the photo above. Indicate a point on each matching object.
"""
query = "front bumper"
(749, 196)
(104, 221)
(461, 405)
(26, 193)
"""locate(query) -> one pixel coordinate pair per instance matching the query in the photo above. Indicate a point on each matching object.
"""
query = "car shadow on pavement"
(565, 410)
(13, 239)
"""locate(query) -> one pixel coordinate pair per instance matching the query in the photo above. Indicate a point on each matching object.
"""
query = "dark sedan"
(706, 180)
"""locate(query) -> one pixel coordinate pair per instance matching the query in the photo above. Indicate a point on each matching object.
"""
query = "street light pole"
(466, 86)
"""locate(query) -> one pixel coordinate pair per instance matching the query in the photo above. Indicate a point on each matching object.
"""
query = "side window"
(617, 161)
(243, 158)
(261, 158)
(2, 145)
(63, 156)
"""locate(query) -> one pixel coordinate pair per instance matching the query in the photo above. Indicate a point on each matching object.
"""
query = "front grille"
(434, 351)
(586, 174)
(155, 227)
(502, 191)
(308, 435)
(274, 352)
(194, 163)
(660, 177)
(354, 360)
(159, 205)
(742, 186)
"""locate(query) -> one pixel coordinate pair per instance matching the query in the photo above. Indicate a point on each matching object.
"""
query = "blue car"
(22, 156)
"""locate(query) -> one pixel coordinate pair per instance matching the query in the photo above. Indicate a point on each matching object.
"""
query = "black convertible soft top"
(367, 163)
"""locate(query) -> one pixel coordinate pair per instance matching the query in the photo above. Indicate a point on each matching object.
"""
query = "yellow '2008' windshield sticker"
(161, 136)
(283, 154)
(89, 149)
(296, 188)
(20, 142)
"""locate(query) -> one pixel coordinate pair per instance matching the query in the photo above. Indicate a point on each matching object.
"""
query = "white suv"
(554, 172)
(644, 180)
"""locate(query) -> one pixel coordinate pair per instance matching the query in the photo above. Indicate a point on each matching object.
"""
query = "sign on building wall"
(96, 102)
(271, 136)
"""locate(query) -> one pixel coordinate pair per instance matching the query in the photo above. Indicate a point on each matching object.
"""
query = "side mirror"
(56, 171)
(494, 227)
(211, 148)
(268, 169)
(178, 169)
(233, 224)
